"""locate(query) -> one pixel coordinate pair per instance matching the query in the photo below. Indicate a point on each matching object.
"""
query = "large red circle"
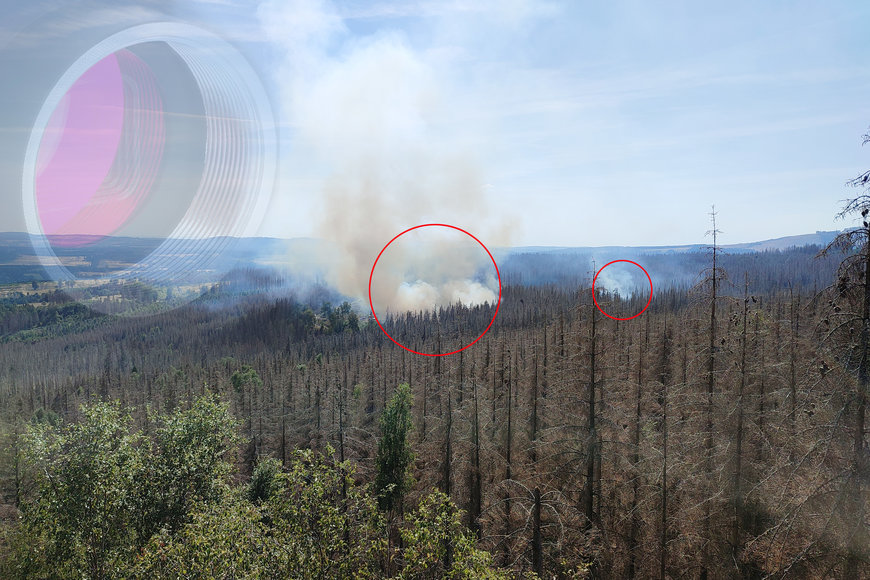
(494, 314)
(647, 302)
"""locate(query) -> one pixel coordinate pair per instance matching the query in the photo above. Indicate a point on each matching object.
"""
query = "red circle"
(494, 314)
(647, 302)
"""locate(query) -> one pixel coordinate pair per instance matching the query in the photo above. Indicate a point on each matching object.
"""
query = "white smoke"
(430, 268)
(411, 295)
(621, 278)
(419, 294)
(469, 293)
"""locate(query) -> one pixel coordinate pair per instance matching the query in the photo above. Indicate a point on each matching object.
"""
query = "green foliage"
(394, 457)
(45, 416)
(246, 377)
(307, 320)
(11, 484)
(103, 490)
(187, 464)
(86, 475)
(433, 528)
(264, 481)
(340, 319)
(316, 523)
(322, 524)
(24, 322)
(223, 540)
(113, 503)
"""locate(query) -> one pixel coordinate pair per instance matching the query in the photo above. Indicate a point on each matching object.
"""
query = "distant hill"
(816, 239)
(770, 264)
(527, 265)
(796, 241)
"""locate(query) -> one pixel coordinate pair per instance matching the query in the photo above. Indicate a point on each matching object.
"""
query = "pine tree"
(851, 308)
(394, 456)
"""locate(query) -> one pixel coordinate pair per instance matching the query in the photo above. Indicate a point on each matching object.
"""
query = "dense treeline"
(769, 271)
(673, 444)
(21, 313)
(720, 434)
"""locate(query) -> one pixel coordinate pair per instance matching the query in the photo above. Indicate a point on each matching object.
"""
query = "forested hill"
(768, 270)
(771, 264)
(603, 428)
(686, 441)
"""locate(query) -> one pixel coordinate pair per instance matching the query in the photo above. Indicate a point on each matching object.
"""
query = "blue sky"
(623, 122)
(547, 123)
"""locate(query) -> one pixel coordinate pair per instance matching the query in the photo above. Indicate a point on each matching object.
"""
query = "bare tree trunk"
(537, 547)
(664, 380)
(461, 381)
(476, 502)
(16, 464)
(283, 434)
(759, 347)
(591, 442)
(737, 483)
(448, 447)
(342, 388)
(533, 434)
(857, 538)
(635, 458)
(711, 389)
(508, 474)
(792, 358)
(446, 474)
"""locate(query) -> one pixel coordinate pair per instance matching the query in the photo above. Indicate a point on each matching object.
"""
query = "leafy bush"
(111, 502)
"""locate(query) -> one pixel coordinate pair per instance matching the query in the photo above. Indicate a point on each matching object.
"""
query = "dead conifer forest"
(719, 435)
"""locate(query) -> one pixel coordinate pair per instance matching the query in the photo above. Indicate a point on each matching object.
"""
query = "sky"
(523, 122)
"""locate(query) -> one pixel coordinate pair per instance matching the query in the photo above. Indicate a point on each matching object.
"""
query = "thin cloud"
(81, 19)
(515, 10)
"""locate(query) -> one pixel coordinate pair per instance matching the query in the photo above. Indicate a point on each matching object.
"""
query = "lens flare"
(161, 126)
(100, 151)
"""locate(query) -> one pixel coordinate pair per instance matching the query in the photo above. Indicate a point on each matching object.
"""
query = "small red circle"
(647, 302)
(494, 314)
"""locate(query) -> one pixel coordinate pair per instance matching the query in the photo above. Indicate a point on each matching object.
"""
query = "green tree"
(86, 473)
(264, 481)
(224, 540)
(394, 457)
(113, 503)
(247, 376)
(306, 528)
(323, 525)
(103, 490)
(188, 465)
(432, 527)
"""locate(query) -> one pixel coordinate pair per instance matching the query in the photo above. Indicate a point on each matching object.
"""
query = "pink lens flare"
(161, 131)
(100, 151)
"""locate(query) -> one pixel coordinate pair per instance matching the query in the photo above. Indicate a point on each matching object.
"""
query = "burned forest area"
(718, 435)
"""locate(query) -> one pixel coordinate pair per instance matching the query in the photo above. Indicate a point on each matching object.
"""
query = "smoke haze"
(379, 115)
(433, 267)
(623, 279)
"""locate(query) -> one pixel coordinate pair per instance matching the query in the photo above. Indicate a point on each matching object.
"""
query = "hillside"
(309, 258)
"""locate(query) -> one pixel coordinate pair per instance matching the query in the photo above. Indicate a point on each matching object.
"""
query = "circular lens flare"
(100, 151)
(157, 149)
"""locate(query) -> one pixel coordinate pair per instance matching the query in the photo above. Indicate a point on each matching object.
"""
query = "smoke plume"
(379, 117)
(623, 279)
